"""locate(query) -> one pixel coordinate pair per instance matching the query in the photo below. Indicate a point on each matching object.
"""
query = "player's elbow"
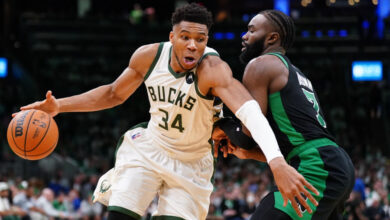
(115, 96)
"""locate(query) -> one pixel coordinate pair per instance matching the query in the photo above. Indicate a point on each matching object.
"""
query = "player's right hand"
(292, 185)
(50, 105)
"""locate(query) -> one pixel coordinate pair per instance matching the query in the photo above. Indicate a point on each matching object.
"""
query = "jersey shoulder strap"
(160, 47)
(280, 56)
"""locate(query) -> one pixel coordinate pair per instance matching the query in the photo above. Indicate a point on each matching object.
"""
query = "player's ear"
(171, 37)
(272, 38)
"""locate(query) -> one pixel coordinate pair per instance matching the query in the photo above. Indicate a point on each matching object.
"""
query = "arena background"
(75, 45)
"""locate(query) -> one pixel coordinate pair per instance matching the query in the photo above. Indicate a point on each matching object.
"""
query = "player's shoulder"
(209, 51)
(213, 68)
(147, 50)
(265, 64)
(144, 56)
(213, 71)
(210, 61)
(263, 61)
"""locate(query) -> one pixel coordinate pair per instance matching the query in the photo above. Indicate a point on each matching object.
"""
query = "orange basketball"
(32, 134)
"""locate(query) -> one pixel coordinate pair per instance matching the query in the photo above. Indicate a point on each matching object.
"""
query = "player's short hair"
(193, 13)
(283, 24)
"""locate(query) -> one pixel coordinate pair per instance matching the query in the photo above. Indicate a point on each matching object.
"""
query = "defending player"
(288, 100)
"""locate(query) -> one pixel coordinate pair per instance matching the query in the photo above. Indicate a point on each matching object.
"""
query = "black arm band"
(233, 130)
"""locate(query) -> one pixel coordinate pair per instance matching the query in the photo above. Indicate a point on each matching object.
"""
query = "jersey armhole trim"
(160, 47)
(207, 97)
(208, 54)
(280, 57)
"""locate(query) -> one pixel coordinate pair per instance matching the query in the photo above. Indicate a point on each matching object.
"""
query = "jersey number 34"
(176, 123)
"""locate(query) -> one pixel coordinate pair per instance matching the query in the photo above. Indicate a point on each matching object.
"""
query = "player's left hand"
(292, 185)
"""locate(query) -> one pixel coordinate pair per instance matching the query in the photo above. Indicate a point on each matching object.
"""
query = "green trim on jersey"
(166, 217)
(124, 211)
(160, 47)
(316, 143)
(118, 146)
(214, 159)
(279, 56)
(208, 54)
(142, 125)
(280, 116)
(176, 75)
(312, 169)
(208, 97)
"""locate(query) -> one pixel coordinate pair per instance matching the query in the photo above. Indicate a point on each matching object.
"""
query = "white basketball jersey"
(181, 117)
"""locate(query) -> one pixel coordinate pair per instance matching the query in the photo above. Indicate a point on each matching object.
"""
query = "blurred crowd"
(239, 185)
(37, 200)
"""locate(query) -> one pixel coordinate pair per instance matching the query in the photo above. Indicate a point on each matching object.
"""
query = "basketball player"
(171, 154)
(288, 100)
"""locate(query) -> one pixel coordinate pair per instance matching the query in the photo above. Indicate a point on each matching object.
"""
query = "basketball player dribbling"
(171, 154)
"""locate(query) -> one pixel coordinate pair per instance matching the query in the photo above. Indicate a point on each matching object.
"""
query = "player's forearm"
(251, 116)
(257, 154)
(96, 99)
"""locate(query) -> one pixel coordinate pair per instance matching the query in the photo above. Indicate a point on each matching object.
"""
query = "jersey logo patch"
(136, 135)
(190, 77)
(105, 186)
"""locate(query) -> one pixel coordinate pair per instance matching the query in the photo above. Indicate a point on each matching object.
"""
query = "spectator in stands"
(7, 211)
(45, 202)
(90, 210)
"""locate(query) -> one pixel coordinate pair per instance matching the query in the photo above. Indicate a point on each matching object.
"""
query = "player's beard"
(252, 50)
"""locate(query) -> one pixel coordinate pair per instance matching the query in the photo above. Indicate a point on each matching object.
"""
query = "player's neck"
(274, 50)
(176, 65)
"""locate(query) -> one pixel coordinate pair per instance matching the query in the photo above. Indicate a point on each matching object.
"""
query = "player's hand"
(219, 137)
(254, 153)
(50, 105)
(238, 151)
(291, 185)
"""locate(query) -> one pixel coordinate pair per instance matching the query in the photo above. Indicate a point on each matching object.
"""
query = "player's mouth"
(189, 60)
(244, 45)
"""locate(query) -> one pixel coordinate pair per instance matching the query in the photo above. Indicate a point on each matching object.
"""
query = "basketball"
(32, 134)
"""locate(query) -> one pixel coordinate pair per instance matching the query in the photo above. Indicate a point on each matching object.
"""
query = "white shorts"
(143, 170)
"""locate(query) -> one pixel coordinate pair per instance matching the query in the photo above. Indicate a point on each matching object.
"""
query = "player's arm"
(218, 135)
(238, 143)
(105, 96)
(216, 78)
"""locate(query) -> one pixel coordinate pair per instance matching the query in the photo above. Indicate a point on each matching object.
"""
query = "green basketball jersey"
(294, 112)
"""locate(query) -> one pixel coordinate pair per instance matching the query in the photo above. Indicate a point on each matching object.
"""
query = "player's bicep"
(230, 90)
(133, 76)
(259, 93)
(256, 82)
(126, 83)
